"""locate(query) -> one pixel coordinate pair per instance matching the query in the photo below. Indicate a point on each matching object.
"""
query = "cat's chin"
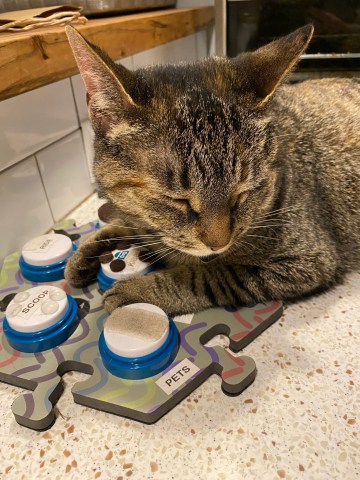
(209, 258)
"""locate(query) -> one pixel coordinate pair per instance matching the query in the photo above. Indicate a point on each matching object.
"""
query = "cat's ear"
(267, 66)
(108, 101)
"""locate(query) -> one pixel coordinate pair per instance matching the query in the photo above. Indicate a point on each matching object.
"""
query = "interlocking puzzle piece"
(144, 400)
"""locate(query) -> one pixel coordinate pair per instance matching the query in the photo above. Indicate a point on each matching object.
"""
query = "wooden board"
(32, 59)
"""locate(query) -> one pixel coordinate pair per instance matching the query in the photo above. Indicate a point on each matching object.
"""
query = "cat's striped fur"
(248, 190)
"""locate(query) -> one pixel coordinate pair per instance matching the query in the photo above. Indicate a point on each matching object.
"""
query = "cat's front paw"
(80, 270)
(83, 265)
(134, 290)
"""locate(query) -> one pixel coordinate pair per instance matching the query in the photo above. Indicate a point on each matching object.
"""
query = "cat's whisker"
(135, 246)
(283, 136)
(126, 226)
(179, 253)
(276, 222)
(275, 216)
(281, 210)
(269, 226)
(143, 245)
(113, 239)
(260, 236)
(166, 254)
(171, 250)
(156, 253)
(241, 243)
(266, 225)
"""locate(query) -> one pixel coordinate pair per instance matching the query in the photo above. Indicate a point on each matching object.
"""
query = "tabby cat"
(248, 188)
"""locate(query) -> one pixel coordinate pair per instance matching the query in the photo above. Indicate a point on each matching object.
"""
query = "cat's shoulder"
(324, 84)
(322, 94)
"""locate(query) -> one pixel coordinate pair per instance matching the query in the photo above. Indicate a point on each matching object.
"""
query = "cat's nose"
(215, 248)
(216, 230)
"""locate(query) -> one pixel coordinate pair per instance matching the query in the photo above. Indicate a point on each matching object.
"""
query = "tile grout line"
(44, 187)
(40, 150)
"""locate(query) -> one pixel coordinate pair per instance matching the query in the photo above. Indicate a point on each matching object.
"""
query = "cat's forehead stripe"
(184, 175)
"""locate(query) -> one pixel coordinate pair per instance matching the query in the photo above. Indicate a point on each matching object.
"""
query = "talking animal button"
(138, 341)
(43, 258)
(123, 263)
(40, 318)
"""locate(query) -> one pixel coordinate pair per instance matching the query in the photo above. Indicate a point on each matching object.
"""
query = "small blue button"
(47, 338)
(46, 273)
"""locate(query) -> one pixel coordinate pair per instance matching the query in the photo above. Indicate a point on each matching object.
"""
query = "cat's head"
(188, 150)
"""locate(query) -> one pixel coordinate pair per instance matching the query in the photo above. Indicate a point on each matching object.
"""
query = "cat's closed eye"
(239, 198)
(185, 205)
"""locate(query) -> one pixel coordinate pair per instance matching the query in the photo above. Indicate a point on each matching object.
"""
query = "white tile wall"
(30, 121)
(80, 97)
(65, 174)
(24, 211)
(202, 48)
(80, 92)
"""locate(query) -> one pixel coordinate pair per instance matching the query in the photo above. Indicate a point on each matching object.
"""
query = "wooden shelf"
(32, 59)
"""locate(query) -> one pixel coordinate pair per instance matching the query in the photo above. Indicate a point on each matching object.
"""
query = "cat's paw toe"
(79, 272)
(117, 296)
(125, 292)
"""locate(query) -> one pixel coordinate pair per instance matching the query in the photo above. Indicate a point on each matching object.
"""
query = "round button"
(122, 264)
(47, 249)
(136, 330)
(40, 309)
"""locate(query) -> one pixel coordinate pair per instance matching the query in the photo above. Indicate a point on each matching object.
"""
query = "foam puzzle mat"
(144, 400)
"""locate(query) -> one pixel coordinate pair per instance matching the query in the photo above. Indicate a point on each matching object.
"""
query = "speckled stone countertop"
(298, 420)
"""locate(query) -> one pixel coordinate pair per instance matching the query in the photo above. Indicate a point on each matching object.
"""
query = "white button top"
(136, 330)
(133, 265)
(47, 249)
(36, 308)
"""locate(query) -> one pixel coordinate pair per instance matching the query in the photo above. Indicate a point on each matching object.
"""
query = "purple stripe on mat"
(60, 359)
(39, 357)
(88, 293)
(45, 378)
(183, 334)
(97, 309)
(213, 354)
(29, 404)
(58, 355)
(83, 334)
(10, 289)
(31, 368)
(18, 278)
